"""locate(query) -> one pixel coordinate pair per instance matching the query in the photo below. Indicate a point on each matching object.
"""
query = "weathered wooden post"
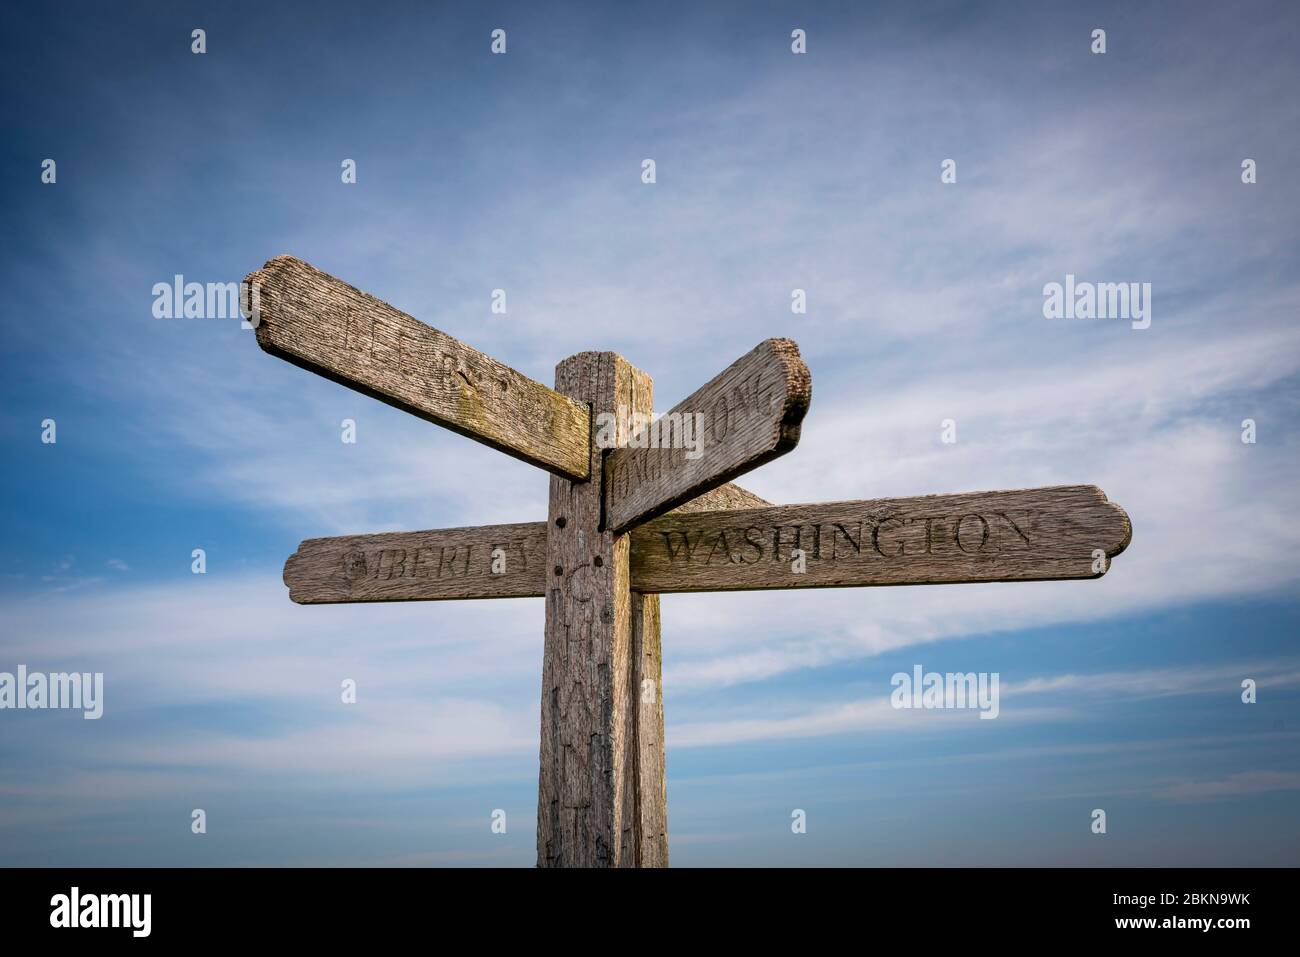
(602, 767)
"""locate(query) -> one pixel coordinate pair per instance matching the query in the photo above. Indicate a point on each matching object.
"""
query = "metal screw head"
(560, 522)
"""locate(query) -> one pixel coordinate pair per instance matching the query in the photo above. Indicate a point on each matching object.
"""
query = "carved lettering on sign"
(320, 323)
(1030, 535)
(1023, 535)
(439, 561)
(887, 536)
(493, 561)
(750, 414)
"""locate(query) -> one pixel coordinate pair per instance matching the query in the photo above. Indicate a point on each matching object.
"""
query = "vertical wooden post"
(601, 797)
(652, 782)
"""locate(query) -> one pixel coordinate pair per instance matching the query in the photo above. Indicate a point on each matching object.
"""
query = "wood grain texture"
(592, 795)
(651, 806)
(1022, 535)
(322, 324)
(748, 414)
(645, 822)
(444, 563)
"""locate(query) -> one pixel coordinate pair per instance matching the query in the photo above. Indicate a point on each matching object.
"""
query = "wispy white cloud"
(1059, 698)
(1244, 784)
(434, 690)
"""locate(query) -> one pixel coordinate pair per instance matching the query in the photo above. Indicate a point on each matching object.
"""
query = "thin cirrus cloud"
(1068, 697)
(460, 695)
(1244, 784)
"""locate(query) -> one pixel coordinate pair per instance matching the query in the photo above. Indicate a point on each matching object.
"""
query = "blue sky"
(775, 172)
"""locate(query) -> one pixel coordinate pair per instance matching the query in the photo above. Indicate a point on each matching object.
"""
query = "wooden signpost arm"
(1043, 534)
(746, 415)
(322, 324)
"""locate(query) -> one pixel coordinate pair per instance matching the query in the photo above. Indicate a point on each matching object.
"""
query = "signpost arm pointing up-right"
(746, 415)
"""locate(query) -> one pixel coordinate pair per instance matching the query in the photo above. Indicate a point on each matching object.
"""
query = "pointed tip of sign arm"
(290, 578)
(1119, 522)
(322, 324)
(1087, 515)
(798, 392)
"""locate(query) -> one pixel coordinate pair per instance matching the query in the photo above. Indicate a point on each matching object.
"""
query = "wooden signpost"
(638, 507)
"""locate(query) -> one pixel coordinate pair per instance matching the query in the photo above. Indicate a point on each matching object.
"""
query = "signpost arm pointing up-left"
(322, 324)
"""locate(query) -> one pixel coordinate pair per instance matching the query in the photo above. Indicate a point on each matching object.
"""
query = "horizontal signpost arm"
(488, 561)
(322, 324)
(1024, 535)
(747, 415)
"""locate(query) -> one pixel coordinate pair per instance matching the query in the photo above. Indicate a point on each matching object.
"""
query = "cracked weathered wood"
(1022, 535)
(322, 324)
(746, 415)
(595, 790)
